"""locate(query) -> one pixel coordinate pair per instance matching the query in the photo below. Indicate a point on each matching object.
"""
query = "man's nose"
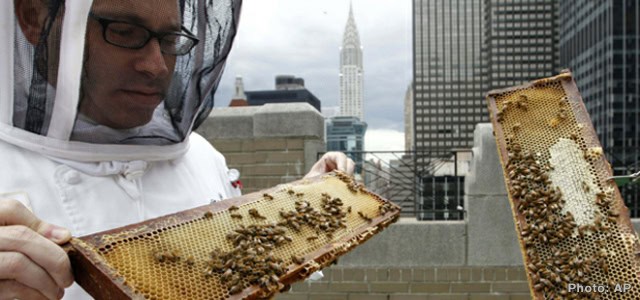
(151, 61)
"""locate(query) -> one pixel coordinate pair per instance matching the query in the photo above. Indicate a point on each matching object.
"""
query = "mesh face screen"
(215, 251)
(575, 234)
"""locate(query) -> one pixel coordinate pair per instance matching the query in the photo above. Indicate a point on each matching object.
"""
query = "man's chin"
(132, 122)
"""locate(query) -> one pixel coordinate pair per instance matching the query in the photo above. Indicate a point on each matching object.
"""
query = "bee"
(573, 136)
(236, 216)
(562, 114)
(235, 289)
(254, 213)
(312, 238)
(174, 255)
(538, 287)
(208, 214)
(299, 194)
(364, 216)
(585, 186)
(295, 226)
(522, 102)
(542, 81)
(291, 192)
(159, 256)
(297, 259)
(605, 266)
(349, 209)
(267, 196)
(190, 261)
(499, 117)
(233, 208)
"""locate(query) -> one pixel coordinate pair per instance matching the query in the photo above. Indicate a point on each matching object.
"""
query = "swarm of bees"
(252, 260)
(545, 224)
(549, 233)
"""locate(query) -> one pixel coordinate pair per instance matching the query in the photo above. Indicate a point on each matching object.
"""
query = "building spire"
(351, 70)
(239, 89)
(351, 35)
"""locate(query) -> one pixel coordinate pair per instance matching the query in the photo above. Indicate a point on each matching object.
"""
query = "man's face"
(122, 87)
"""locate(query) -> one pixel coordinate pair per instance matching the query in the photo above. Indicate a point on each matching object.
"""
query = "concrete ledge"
(229, 123)
(410, 243)
(287, 120)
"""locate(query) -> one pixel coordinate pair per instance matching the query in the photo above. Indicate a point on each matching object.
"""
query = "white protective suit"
(72, 171)
(92, 197)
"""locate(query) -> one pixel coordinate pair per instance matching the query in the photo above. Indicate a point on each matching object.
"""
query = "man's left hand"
(332, 161)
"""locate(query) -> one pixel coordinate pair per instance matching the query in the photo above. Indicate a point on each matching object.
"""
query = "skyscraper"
(521, 41)
(600, 43)
(449, 85)
(351, 71)
(346, 134)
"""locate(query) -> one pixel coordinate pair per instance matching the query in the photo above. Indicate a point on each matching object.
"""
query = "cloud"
(383, 140)
(391, 141)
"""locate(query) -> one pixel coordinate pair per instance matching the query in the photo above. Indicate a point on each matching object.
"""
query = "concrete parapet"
(409, 243)
(229, 123)
(485, 174)
(492, 239)
(450, 282)
(288, 119)
(491, 232)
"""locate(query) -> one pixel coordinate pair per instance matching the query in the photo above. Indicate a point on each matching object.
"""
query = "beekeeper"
(98, 103)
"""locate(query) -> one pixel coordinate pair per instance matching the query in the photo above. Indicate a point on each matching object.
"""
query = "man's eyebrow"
(135, 19)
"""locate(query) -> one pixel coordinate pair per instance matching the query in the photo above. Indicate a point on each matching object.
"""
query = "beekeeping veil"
(110, 79)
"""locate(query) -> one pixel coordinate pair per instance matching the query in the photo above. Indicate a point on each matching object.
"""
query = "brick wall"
(474, 283)
(264, 162)
(269, 144)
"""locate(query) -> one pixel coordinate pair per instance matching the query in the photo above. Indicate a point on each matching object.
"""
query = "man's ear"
(31, 15)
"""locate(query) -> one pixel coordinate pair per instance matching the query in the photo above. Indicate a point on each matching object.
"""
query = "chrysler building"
(351, 72)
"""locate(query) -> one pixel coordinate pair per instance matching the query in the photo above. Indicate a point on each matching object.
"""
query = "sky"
(303, 38)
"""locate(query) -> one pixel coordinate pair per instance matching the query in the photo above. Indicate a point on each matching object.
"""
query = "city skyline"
(303, 40)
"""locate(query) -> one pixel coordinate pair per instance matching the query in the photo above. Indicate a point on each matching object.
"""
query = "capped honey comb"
(574, 230)
(243, 248)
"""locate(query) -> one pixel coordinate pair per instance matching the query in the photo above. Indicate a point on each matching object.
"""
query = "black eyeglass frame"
(104, 22)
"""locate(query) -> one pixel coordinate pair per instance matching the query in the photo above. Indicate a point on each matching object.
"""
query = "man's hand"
(32, 266)
(332, 161)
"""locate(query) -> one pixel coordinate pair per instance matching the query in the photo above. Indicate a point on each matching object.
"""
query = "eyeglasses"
(133, 36)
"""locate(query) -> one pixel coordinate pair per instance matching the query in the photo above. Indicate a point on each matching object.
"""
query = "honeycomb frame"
(122, 263)
(574, 230)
